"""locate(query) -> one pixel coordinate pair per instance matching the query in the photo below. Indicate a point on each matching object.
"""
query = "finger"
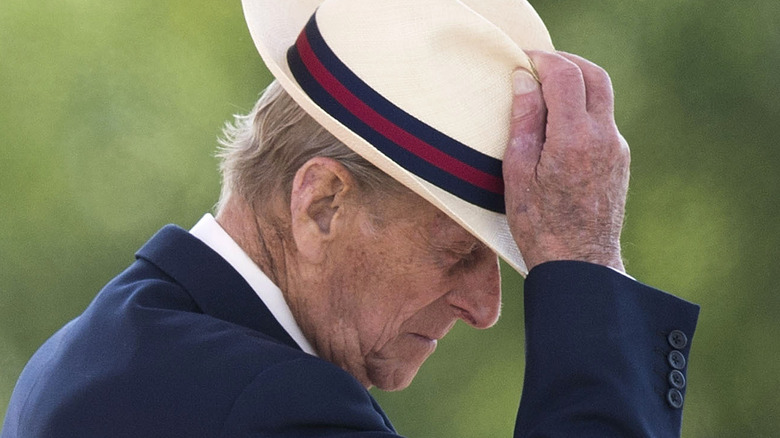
(528, 121)
(598, 86)
(563, 87)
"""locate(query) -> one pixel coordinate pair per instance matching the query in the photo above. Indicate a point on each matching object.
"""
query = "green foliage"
(109, 114)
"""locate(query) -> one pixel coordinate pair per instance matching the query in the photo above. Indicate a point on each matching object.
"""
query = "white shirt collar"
(212, 234)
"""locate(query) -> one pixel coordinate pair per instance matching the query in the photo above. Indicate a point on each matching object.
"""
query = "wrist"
(608, 256)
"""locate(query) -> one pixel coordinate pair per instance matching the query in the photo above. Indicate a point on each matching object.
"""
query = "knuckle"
(601, 76)
(624, 148)
(527, 110)
(567, 73)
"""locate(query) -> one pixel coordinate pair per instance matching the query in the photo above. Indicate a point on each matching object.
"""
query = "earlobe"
(316, 204)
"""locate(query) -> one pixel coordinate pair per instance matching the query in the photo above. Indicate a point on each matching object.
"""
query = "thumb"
(527, 126)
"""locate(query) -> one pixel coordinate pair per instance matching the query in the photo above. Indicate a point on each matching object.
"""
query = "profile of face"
(386, 281)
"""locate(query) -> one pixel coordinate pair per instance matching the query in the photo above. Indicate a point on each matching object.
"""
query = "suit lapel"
(217, 288)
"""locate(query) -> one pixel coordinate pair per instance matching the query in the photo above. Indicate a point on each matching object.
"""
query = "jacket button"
(677, 339)
(677, 379)
(675, 398)
(676, 360)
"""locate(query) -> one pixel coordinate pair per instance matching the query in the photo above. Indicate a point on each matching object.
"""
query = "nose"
(477, 295)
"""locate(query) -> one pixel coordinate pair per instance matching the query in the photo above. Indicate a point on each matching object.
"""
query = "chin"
(394, 380)
(396, 368)
(394, 385)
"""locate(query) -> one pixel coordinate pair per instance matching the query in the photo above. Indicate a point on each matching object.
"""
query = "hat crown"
(442, 61)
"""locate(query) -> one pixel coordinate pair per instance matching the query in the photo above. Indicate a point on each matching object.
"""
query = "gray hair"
(261, 152)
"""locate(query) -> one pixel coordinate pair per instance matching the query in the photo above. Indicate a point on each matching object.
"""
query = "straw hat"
(420, 88)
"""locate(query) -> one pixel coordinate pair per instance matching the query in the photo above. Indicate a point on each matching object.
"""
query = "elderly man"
(329, 269)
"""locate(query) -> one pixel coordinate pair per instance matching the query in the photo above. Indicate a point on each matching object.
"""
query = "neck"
(261, 237)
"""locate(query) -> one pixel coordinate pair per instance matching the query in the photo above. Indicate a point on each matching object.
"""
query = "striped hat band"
(419, 148)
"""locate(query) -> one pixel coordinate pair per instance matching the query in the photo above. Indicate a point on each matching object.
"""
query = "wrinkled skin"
(390, 280)
(566, 179)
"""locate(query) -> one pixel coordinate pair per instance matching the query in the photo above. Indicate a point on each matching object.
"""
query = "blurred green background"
(109, 113)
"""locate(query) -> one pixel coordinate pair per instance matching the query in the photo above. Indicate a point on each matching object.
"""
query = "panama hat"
(422, 89)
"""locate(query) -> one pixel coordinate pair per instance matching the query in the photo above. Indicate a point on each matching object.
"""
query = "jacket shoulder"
(306, 394)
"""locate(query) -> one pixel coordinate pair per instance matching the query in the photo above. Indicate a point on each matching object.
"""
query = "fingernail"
(523, 82)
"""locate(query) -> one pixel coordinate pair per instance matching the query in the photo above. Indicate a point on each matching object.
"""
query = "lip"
(430, 340)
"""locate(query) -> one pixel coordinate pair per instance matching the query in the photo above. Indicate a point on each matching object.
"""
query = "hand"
(566, 166)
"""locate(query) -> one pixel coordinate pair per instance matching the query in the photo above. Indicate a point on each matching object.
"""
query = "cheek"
(396, 363)
(399, 285)
(392, 303)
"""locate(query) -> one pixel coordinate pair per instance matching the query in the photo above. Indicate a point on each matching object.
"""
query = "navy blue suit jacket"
(179, 345)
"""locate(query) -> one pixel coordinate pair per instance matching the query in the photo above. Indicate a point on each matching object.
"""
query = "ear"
(317, 202)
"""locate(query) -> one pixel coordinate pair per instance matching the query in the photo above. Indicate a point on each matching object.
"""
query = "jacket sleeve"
(605, 355)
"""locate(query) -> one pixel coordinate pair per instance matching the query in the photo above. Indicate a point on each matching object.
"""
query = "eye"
(463, 260)
(466, 261)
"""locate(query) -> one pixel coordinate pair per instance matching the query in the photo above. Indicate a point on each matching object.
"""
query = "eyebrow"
(466, 247)
(463, 248)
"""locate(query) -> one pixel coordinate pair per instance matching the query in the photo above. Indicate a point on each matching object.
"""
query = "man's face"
(391, 288)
